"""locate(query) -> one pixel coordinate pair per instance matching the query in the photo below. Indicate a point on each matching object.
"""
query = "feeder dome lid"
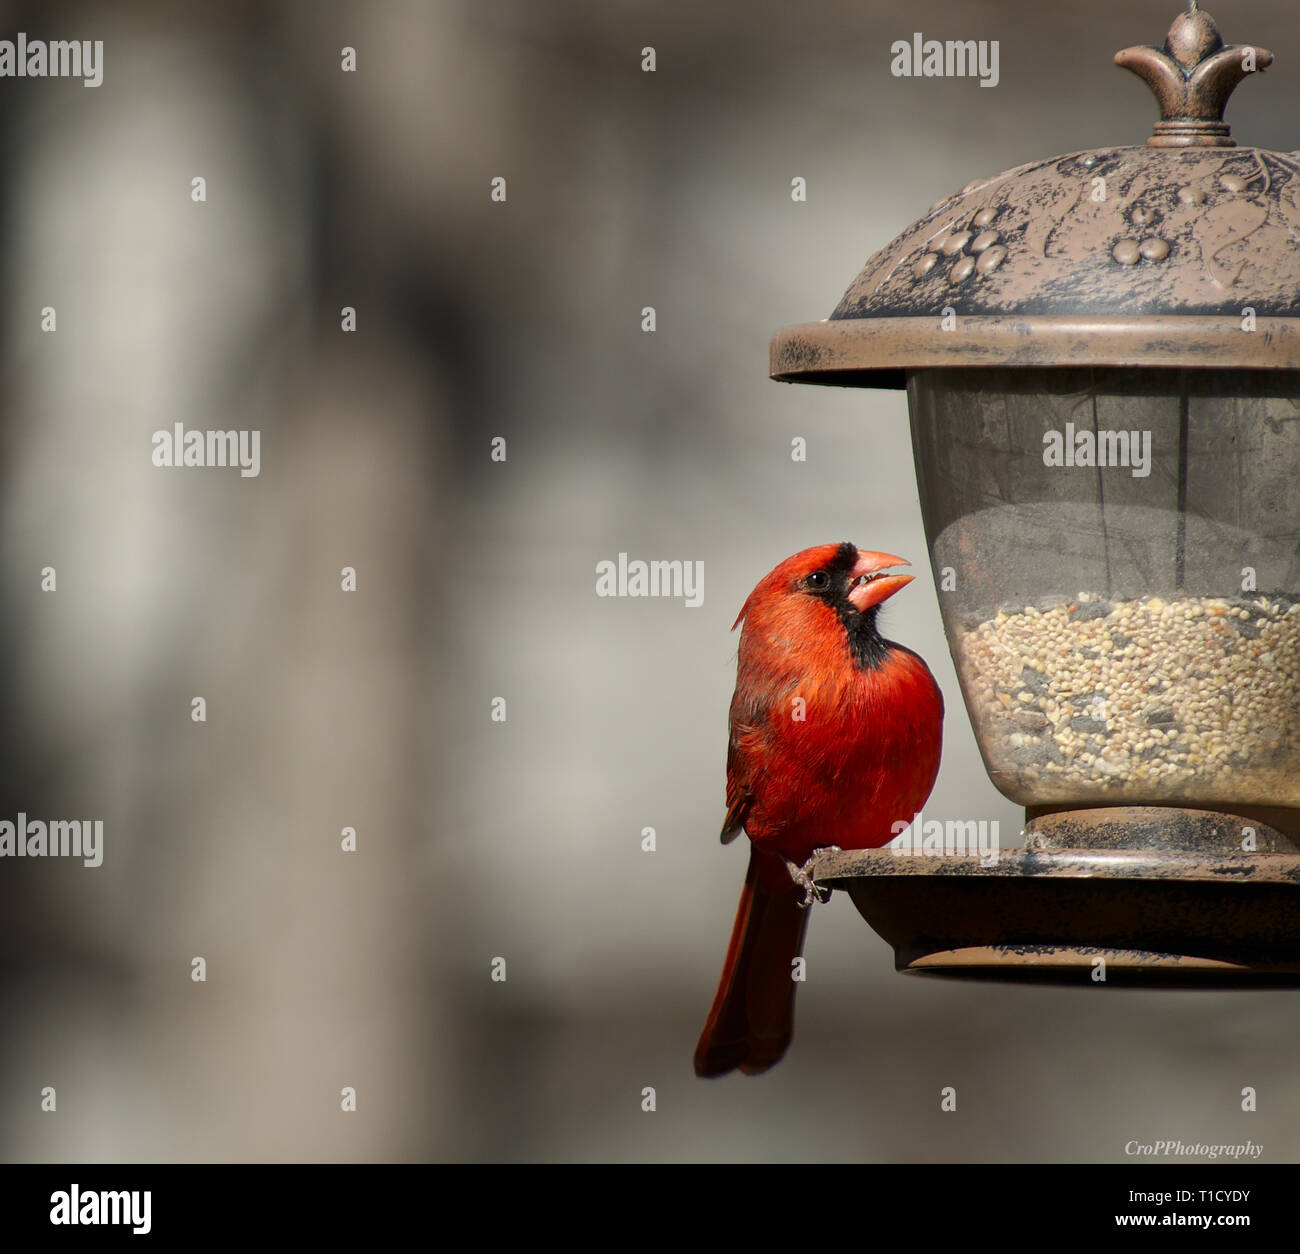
(1184, 253)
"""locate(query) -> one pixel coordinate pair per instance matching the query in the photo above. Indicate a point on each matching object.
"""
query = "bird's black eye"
(818, 581)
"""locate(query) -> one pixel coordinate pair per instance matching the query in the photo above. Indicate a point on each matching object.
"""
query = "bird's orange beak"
(870, 585)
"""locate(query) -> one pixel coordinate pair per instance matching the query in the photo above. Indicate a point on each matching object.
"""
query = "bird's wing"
(739, 794)
(750, 737)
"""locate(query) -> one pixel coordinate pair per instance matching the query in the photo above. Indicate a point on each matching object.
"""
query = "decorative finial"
(1192, 78)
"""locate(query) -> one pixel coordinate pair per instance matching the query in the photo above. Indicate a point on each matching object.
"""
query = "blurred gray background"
(476, 580)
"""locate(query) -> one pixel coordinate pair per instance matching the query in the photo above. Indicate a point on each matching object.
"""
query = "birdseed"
(1141, 700)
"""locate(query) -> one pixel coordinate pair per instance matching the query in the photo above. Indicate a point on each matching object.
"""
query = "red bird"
(835, 737)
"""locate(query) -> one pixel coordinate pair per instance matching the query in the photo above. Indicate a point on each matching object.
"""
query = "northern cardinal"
(835, 737)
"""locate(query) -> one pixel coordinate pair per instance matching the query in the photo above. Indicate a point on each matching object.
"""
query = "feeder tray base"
(1165, 897)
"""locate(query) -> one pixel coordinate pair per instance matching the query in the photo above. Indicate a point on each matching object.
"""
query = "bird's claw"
(802, 876)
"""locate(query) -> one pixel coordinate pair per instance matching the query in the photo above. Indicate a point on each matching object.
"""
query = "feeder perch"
(1101, 353)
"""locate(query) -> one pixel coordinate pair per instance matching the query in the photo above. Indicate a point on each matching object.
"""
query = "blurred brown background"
(476, 580)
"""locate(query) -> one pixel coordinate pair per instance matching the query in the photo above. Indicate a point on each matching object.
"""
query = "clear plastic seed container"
(1118, 559)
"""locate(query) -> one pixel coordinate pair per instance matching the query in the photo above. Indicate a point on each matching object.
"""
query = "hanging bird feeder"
(1101, 353)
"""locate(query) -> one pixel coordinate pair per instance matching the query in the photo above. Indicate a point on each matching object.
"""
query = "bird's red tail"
(752, 1019)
